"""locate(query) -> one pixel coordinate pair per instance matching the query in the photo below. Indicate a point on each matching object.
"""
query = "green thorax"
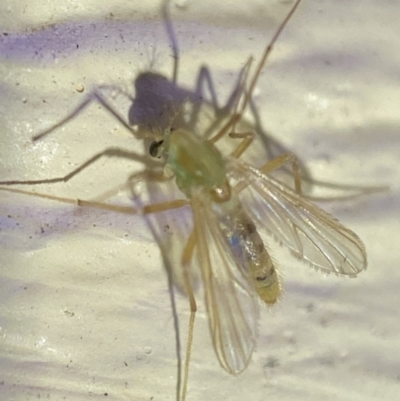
(195, 162)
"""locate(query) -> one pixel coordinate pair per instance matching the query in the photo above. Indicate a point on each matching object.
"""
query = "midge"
(232, 203)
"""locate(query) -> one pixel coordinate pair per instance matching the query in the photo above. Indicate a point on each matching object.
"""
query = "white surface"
(84, 310)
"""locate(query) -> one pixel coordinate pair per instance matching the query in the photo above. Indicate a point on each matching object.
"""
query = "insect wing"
(231, 300)
(311, 234)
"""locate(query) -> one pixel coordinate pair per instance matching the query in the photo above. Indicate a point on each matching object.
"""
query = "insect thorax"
(195, 162)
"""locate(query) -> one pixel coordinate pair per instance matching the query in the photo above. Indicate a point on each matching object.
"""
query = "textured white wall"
(84, 310)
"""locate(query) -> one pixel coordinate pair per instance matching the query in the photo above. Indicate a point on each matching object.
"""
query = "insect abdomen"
(261, 265)
(246, 243)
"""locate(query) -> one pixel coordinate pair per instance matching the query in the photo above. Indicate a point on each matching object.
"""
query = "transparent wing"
(311, 234)
(231, 300)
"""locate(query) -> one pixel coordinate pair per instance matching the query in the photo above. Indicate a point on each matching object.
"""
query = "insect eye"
(155, 148)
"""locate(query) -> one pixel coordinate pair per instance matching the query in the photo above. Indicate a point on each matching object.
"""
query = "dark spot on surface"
(251, 228)
(271, 362)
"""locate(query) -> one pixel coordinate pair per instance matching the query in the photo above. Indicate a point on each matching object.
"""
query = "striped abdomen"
(245, 242)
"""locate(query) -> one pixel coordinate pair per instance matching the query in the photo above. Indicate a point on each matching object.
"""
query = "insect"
(232, 203)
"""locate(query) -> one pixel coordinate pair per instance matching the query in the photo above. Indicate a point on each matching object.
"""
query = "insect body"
(227, 196)
(198, 164)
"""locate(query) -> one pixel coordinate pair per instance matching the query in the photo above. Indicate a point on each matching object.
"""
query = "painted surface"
(85, 311)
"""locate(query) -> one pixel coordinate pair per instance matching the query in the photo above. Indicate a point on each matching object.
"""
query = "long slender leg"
(279, 162)
(159, 176)
(265, 55)
(147, 209)
(274, 165)
(98, 202)
(288, 157)
(238, 115)
(186, 258)
(110, 152)
(71, 201)
(240, 88)
(204, 81)
(248, 138)
(145, 176)
(133, 179)
(203, 78)
(175, 316)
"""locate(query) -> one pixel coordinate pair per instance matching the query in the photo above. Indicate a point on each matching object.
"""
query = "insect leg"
(238, 115)
(265, 55)
(148, 209)
(279, 162)
(134, 179)
(186, 258)
(274, 165)
(40, 195)
(203, 79)
(233, 103)
(247, 137)
(110, 152)
(289, 157)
